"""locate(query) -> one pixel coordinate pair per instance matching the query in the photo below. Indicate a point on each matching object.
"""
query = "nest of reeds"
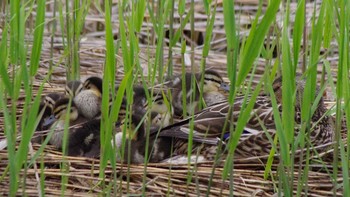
(79, 176)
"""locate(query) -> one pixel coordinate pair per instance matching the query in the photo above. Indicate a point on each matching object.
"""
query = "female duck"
(208, 123)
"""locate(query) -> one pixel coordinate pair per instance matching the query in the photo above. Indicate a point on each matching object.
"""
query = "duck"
(135, 141)
(45, 111)
(57, 121)
(73, 88)
(84, 139)
(139, 100)
(89, 98)
(46, 107)
(212, 84)
(208, 123)
(161, 112)
(158, 115)
(84, 135)
(159, 148)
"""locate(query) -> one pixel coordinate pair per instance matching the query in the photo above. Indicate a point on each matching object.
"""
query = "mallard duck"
(73, 88)
(84, 139)
(57, 121)
(159, 148)
(88, 100)
(161, 113)
(84, 136)
(208, 123)
(47, 105)
(45, 109)
(213, 82)
(139, 100)
(49, 101)
(135, 143)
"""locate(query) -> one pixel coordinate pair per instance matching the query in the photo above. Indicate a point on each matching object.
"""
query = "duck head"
(60, 112)
(94, 84)
(213, 82)
(73, 88)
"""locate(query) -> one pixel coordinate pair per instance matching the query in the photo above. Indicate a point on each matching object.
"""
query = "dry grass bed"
(161, 179)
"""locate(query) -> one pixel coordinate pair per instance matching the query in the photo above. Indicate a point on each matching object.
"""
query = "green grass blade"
(139, 14)
(257, 36)
(288, 84)
(11, 141)
(14, 28)
(4, 64)
(38, 37)
(241, 122)
(231, 36)
(298, 29)
(108, 81)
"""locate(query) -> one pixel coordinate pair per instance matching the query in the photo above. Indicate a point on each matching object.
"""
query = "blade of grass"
(298, 29)
(257, 37)
(232, 44)
(108, 80)
(38, 37)
(11, 140)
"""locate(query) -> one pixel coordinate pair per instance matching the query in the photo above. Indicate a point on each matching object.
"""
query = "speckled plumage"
(208, 123)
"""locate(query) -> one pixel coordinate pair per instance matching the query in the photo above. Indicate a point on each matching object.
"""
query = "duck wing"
(208, 124)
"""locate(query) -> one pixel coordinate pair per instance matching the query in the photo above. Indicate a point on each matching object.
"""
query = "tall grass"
(20, 62)
(11, 85)
(342, 94)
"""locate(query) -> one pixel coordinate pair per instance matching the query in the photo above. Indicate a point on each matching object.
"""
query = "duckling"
(159, 148)
(46, 108)
(213, 82)
(160, 109)
(139, 100)
(59, 118)
(88, 100)
(84, 139)
(161, 114)
(208, 123)
(73, 88)
(47, 105)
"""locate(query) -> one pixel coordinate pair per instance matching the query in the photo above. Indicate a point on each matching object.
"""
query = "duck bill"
(224, 86)
(49, 121)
